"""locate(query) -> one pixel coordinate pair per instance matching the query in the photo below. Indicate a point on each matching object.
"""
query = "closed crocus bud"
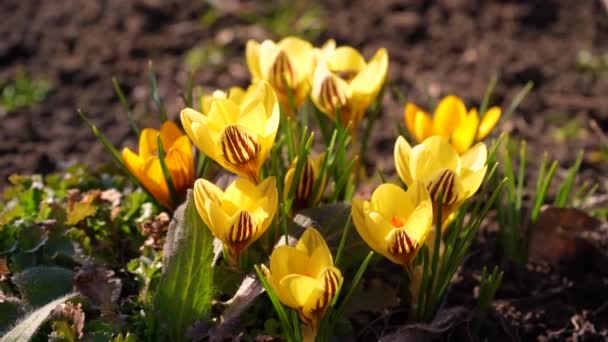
(304, 277)
(395, 222)
(437, 165)
(452, 121)
(305, 188)
(286, 65)
(146, 166)
(344, 84)
(239, 215)
(238, 131)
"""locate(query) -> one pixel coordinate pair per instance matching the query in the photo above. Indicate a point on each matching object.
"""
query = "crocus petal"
(423, 126)
(299, 52)
(464, 134)
(471, 180)
(402, 152)
(148, 145)
(370, 79)
(299, 287)
(169, 133)
(346, 59)
(409, 115)
(431, 156)
(132, 161)
(448, 114)
(419, 222)
(390, 200)
(205, 193)
(268, 52)
(312, 243)
(488, 121)
(252, 54)
(474, 158)
(286, 260)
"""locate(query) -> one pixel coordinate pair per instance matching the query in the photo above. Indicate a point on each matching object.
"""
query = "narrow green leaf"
(186, 286)
(565, 189)
(345, 232)
(125, 104)
(541, 193)
(276, 303)
(487, 96)
(518, 99)
(155, 95)
(356, 281)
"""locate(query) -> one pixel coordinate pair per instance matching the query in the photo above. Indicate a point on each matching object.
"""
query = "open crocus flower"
(395, 222)
(286, 65)
(238, 131)
(239, 215)
(436, 164)
(146, 166)
(344, 83)
(308, 177)
(451, 121)
(304, 277)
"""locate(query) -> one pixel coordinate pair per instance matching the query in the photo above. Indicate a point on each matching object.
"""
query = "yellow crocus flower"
(239, 215)
(436, 164)
(451, 121)
(286, 65)
(308, 177)
(304, 277)
(395, 222)
(343, 82)
(146, 166)
(237, 132)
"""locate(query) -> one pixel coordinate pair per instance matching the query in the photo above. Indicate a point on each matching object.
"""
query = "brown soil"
(435, 48)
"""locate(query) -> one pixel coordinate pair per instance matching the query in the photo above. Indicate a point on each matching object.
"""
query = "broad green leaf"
(10, 309)
(38, 285)
(330, 220)
(185, 289)
(25, 329)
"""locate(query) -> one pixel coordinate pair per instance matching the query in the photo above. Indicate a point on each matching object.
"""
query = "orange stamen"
(397, 222)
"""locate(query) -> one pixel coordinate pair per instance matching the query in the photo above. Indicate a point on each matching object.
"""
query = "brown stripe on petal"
(241, 232)
(444, 183)
(239, 149)
(282, 74)
(330, 283)
(330, 96)
(305, 186)
(402, 247)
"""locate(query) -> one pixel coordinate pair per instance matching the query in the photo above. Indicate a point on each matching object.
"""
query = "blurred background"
(58, 56)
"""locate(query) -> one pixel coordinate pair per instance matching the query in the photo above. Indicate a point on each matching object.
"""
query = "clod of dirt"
(566, 236)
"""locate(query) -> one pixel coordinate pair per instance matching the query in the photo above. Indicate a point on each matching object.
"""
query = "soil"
(435, 48)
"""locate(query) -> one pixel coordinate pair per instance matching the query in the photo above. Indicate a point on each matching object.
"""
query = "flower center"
(443, 185)
(305, 186)
(282, 74)
(330, 282)
(330, 96)
(402, 247)
(240, 150)
(241, 232)
(397, 222)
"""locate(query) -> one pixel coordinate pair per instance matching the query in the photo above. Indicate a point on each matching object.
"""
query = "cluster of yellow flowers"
(237, 130)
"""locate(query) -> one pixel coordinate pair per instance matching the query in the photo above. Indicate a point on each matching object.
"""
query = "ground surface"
(435, 48)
